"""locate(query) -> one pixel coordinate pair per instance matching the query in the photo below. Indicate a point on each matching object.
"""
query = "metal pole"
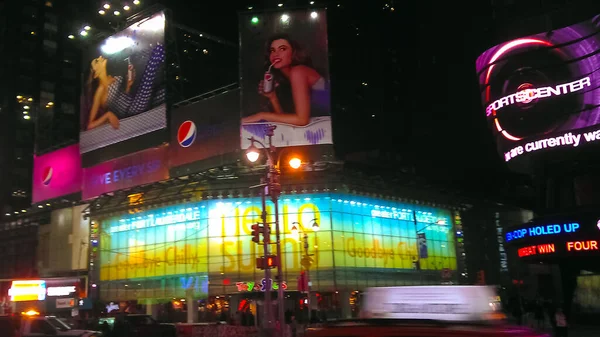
(305, 239)
(267, 309)
(280, 295)
(414, 212)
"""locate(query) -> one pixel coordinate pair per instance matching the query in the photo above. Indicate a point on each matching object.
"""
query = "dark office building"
(38, 91)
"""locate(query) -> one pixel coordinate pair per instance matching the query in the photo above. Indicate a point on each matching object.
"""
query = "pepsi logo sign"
(186, 135)
(47, 175)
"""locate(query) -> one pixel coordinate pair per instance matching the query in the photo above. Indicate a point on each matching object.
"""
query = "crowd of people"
(539, 314)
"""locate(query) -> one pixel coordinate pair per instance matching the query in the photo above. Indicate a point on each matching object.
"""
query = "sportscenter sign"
(531, 94)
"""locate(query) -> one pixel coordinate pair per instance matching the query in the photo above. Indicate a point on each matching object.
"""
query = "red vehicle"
(417, 328)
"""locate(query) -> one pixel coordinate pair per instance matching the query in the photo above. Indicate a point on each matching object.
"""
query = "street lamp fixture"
(252, 153)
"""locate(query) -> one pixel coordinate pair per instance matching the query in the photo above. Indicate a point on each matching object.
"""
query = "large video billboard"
(203, 130)
(355, 236)
(285, 77)
(541, 92)
(56, 174)
(123, 93)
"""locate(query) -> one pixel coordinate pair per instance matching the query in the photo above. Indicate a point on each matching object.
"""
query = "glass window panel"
(322, 239)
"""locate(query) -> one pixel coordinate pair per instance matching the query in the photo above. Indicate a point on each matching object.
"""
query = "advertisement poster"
(140, 168)
(56, 174)
(355, 235)
(205, 129)
(542, 92)
(285, 77)
(123, 94)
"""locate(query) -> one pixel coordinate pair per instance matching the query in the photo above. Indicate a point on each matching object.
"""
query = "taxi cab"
(427, 311)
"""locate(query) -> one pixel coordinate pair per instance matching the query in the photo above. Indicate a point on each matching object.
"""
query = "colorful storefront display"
(359, 242)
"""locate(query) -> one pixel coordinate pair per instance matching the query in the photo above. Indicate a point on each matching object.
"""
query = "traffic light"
(267, 262)
(270, 261)
(256, 233)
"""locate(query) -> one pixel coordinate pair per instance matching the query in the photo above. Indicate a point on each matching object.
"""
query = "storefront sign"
(140, 168)
(29, 290)
(151, 220)
(500, 239)
(542, 230)
(259, 286)
(62, 303)
(61, 291)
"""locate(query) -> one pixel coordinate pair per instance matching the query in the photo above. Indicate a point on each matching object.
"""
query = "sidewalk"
(581, 331)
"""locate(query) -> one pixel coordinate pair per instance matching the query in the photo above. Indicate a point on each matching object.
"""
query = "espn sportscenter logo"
(527, 95)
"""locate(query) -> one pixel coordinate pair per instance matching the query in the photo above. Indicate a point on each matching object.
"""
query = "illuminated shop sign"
(151, 220)
(30, 290)
(61, 291)
(542, 230)
(259, 286)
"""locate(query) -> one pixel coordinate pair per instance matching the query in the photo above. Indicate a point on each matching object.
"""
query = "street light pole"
(273, 189)
(267, 308)
(280, 295)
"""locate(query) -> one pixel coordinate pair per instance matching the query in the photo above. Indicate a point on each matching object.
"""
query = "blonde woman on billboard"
(291, 66)
(104, 92)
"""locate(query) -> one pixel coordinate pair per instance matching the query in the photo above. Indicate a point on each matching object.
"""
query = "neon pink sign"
(56, 174)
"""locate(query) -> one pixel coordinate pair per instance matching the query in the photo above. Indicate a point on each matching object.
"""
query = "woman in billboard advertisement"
(108, 93)
(290, 71)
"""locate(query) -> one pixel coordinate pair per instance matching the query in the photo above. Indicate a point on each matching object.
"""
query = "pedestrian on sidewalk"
(561, 329)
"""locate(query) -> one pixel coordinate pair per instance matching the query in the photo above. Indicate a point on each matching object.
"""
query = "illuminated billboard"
(356, 235)
(542, 92)
(556, 236)
(56, 174)
(124, 89)
(203, 130)
(27, 290)
(284, 69)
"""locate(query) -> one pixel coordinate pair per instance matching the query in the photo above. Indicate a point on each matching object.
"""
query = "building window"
(68, 109)
(50, 27)
(47, 86)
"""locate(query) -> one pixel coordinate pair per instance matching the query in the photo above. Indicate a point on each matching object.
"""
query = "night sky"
(421, 103)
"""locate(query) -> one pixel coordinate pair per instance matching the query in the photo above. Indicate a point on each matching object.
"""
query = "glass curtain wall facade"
(207, 246)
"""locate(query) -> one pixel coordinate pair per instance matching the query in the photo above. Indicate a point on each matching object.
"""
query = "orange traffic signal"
(267, 262)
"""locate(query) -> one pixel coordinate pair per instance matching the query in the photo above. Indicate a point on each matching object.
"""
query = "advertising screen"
(552, 237)
(123, 93)
(541, 92)
(56, 174)
(352, 235)
(203, 130)
(285, 77)
(139, 168)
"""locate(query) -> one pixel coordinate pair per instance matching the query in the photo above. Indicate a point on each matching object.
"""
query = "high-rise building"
(38, 90)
